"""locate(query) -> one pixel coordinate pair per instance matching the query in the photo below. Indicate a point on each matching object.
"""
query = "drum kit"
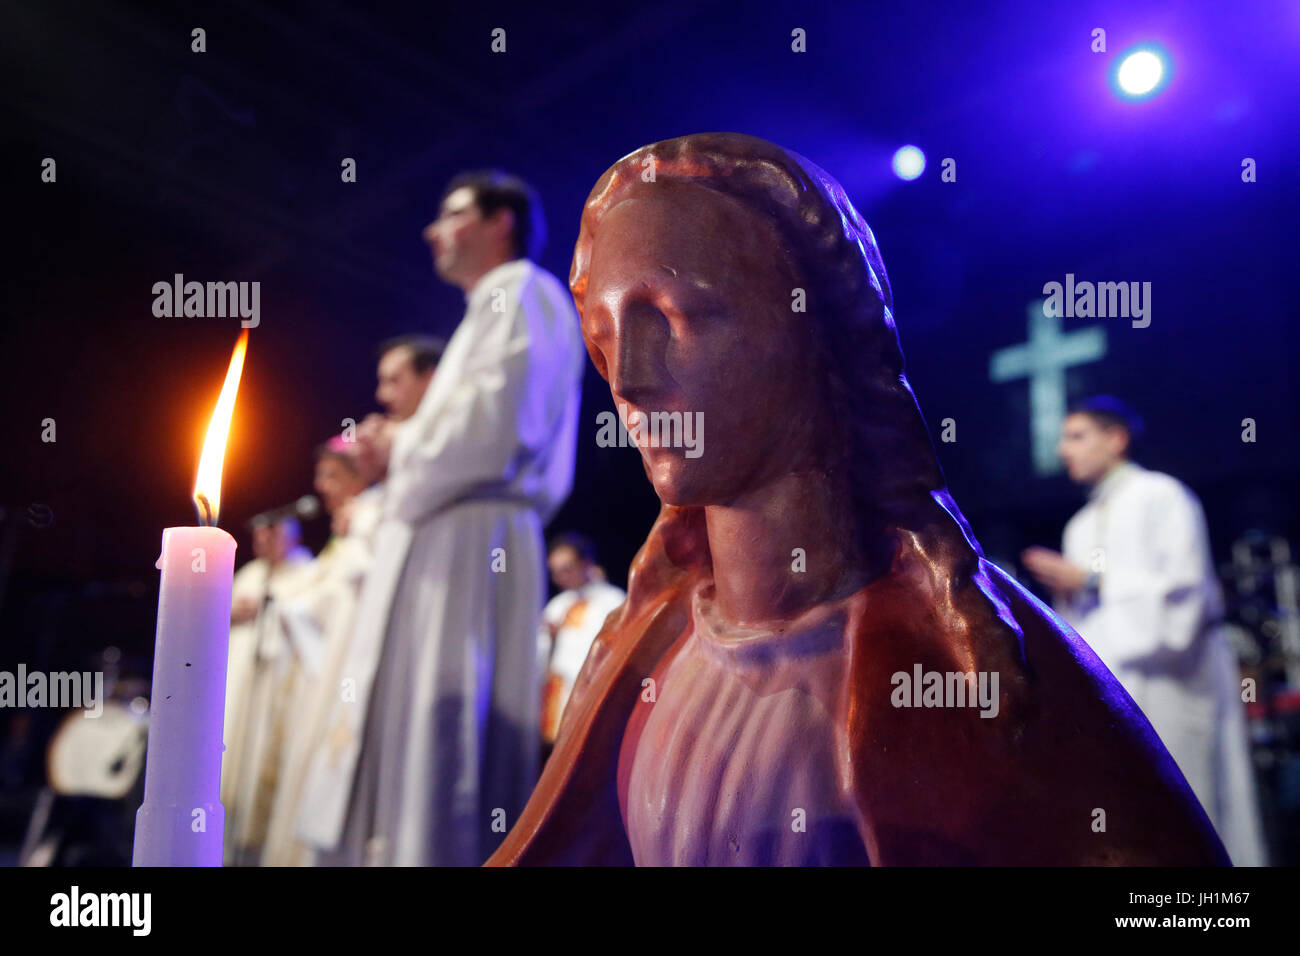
(85, 813)
(94, 766)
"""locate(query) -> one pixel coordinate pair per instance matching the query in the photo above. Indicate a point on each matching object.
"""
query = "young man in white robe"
(1137, 582)
(437, 749)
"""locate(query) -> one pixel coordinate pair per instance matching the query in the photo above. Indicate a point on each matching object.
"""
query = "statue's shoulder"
(1017, 779)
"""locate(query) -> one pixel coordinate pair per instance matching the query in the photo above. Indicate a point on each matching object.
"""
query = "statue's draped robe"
(733, 763)
(444, 721)
(1070, 772)
(1154, 623)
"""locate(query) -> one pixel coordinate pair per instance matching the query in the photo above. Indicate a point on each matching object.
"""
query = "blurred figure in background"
(278, 553)
(1136, 581)
(439, 750)
(279, 561)
(318, 622)
(406, 367)
(570, 623)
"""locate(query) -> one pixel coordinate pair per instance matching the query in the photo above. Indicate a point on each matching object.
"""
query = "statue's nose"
(638, 371)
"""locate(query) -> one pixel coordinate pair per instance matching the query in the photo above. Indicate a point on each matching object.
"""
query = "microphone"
(306, 507)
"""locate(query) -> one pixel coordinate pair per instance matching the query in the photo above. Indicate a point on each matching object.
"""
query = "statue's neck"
(783, 548)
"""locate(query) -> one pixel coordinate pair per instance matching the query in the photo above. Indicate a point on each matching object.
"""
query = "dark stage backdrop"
(225, 165)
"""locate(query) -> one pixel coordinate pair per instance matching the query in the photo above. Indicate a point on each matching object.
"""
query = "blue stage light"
(909, 162)
(1141, 73)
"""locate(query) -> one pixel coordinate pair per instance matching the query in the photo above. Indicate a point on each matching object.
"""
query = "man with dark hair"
(424, 351)
(583, 548)
(1137, 582)
(570, 622)
(1110, 412)
(434, 755)
(406, 366)
(490, 198)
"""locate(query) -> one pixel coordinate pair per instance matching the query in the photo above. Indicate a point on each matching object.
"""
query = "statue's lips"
(627, 410)
(650, 444)
(659, 451)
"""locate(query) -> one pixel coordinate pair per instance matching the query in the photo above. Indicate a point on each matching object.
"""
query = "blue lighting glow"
(1141, 72)
(909, 162)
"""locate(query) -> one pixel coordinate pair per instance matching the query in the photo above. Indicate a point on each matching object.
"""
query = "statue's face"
(689, 310)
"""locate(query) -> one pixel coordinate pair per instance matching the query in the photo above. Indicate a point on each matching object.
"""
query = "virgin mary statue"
(815, 663)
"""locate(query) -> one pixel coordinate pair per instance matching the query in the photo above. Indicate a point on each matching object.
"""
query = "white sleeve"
(473, 437)
(1162, 605)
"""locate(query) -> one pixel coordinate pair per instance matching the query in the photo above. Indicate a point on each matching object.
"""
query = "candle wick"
(204, 509)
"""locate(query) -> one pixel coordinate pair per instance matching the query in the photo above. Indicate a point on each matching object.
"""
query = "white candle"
(182, 822)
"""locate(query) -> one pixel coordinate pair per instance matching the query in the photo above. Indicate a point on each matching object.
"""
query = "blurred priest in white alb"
(441, 749)
(1137, 582)
(279, 568)
(321, 618)
(570, 623)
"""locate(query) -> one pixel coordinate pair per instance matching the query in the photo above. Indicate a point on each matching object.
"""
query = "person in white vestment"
(434, 753)
(570, 623)
(1137, 582)
(276, 569)
(317, 622)
(348, 479)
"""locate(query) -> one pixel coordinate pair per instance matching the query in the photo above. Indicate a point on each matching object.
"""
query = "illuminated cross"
(1043, 360)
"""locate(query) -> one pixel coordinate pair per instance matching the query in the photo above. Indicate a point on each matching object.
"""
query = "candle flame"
(207, 486)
